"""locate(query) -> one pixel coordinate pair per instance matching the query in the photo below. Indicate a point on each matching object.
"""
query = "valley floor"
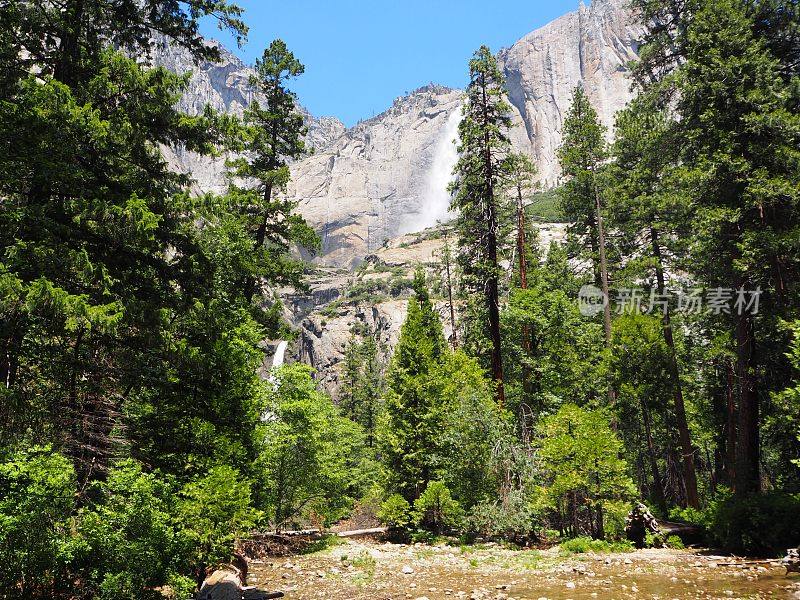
(358, 569)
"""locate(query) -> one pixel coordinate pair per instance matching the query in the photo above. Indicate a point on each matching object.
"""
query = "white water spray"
(277, 360)
(436, 198)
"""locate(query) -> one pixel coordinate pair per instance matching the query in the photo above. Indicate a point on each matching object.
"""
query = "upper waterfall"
(436, 201)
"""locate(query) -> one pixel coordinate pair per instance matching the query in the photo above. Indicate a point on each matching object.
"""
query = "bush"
(395, 512)
(37, 491)
(436, 509)
(213, 512)
(689, 515)
(510, 520)
(580, 545)
(759, 525)
(133, 545)
(673, 541)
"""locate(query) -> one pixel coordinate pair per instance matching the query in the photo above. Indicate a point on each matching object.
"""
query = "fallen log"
(362, 532)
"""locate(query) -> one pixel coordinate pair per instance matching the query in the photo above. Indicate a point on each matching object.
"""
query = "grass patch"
(545, 207)
(426, 537)
(323, 543)
(580, 545)
(365, 563)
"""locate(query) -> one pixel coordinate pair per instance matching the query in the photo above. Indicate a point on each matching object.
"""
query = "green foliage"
(411, 433)
(581, 154)
(545, 207)
(312, 458)
(674, 542)
(478, 200)
(510, 519)
(436, 509)
(580, 455)
(757, 525)
(37, 500)
(581, 545)
(363, 385)
(395, 511)
(133, 546)
(215, 510)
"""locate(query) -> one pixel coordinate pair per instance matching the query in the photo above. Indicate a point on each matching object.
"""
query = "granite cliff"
(388, 175)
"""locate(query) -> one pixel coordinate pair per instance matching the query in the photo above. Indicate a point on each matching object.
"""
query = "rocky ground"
(374, 570)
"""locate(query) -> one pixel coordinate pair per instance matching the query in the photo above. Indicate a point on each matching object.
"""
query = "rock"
(570, 585)
(591, 46)
(407, 570)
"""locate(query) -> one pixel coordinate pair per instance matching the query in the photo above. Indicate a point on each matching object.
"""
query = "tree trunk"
(601, 238)
(261, 234)
(601, 528)
(730, 426)
(492, 284)
(658, 485)
(454, 336)
(687, 453)
(747, 477)
(70, 47)
(523, 275)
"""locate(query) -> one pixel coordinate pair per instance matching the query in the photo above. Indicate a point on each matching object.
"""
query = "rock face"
(374, 297)
(591, 47)
(383, 177)
(225, 87)
(388, 175)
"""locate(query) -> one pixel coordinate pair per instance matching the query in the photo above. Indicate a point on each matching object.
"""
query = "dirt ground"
(364, 569)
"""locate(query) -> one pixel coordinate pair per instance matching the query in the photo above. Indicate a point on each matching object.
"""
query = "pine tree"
(362, 391)
(273, 137)
(581, 156)
(411, 435)
(519, 181)
(483, 148)
(734, 72)
(643, 202)
(447, 261)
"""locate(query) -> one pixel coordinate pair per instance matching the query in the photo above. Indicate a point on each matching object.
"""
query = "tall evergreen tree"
(274, 136)
(414, 412)
(642, 203)
(733, 66)
(483, 148)
(581, 155)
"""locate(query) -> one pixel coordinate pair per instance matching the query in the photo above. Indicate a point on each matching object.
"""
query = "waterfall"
(436, 199)
(277, 360)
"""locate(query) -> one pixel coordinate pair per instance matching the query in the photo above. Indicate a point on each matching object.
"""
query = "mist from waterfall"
(436, 199)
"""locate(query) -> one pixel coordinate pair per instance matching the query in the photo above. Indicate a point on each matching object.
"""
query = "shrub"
(395, 512)
(37, 490)
(761, 524)
(673, 541)
(133, 545)
(213, 512)
(510, 520)
(689, 515)
(580, 545)
(436, 509)
(581, 456)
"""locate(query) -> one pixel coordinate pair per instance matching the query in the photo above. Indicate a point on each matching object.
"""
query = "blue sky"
(360, 55)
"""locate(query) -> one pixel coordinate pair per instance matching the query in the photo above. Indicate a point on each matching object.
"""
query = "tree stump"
(792, 560)
(639, 522)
